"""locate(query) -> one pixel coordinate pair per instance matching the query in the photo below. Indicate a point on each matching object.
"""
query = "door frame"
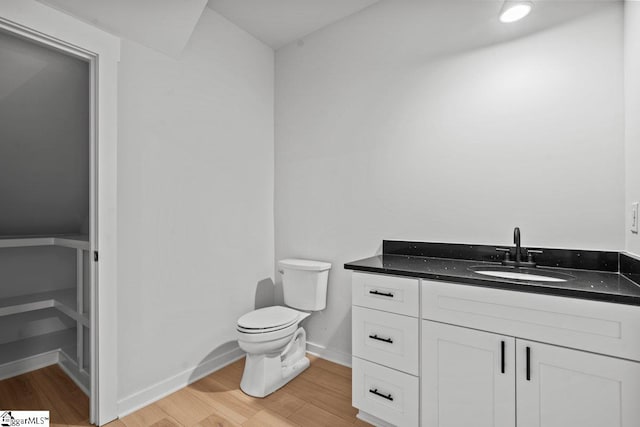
(44, 25)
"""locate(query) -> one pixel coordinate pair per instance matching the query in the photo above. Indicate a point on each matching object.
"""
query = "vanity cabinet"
(472, 377)
(485, 377)
(437, 354)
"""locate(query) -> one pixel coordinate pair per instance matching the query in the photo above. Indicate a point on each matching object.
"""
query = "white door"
(560, 387)
(468, 377)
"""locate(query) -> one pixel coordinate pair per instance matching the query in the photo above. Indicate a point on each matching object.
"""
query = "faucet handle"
(530, 253)
(507, 252)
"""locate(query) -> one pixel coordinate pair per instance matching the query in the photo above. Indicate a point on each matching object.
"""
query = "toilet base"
(266, 373)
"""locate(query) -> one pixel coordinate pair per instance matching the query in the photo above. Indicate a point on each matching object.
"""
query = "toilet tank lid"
(304, 264)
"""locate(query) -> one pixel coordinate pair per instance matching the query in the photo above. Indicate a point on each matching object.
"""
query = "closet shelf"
(17, 350)
(63, 300)
(55, 347)
(67, 241)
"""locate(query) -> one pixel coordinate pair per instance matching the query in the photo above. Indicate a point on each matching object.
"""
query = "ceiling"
(163, 25)
(280, 22)
(167, 25)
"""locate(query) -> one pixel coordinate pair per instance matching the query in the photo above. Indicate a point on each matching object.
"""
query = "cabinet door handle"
(384, 396)
(376, 337)
(502, 344)
(382, 294)
(528, 363)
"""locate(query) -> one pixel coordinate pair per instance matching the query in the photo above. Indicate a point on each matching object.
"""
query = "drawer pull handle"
(376, 337)
(382, 294)
(384, 396)
(502, 356)
(528, 363)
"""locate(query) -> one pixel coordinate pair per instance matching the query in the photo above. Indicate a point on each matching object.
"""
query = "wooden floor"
(48, 389)
(320, 396)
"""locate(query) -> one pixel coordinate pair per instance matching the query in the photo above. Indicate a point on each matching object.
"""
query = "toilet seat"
(265, 337)
(269, 319)
(269, 324)
(263, 330)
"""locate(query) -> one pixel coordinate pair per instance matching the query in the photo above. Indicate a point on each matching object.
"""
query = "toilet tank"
(304, 283)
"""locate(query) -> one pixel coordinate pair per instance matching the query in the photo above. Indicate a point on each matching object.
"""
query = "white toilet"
(271, 336)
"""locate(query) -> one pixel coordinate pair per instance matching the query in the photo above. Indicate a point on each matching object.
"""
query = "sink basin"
(525, 274)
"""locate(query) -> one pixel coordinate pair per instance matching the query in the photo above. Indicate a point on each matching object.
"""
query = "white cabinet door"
(560, 387)
(468, 377)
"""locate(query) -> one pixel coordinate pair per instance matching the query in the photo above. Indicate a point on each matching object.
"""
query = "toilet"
(272, 337)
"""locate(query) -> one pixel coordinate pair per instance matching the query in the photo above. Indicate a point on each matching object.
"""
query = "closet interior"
(45, 215)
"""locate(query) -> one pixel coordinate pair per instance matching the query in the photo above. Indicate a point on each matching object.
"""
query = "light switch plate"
(634, 217)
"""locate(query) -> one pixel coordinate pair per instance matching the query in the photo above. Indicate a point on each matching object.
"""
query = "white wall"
(195, 171)
(432, 121)
(632, 109)
(44, 140)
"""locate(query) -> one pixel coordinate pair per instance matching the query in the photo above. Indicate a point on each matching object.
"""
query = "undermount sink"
(519, 273)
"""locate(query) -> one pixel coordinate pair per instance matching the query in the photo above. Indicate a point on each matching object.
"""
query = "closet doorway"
(40, 24)
(48, 221)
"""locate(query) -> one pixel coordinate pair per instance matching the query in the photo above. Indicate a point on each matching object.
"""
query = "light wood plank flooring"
(320, 396)
(47, 389)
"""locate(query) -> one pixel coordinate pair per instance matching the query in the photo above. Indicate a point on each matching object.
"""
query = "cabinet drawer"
(386, 338)
(387, 293)
(599, 327)
(385, 393)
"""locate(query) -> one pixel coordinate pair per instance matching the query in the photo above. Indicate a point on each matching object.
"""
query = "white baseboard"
(366, 417)
(165, 387)
(39, 361)
(29, 364)
(334, 356)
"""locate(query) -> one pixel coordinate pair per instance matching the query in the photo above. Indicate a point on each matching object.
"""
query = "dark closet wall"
(44, 140)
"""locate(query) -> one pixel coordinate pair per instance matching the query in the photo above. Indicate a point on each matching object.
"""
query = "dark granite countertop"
(606, 286)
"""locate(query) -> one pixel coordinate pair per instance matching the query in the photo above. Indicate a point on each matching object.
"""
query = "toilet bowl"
(275, 347)
(272, 337)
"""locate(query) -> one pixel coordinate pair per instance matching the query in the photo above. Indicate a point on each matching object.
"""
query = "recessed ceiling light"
(513, 11)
